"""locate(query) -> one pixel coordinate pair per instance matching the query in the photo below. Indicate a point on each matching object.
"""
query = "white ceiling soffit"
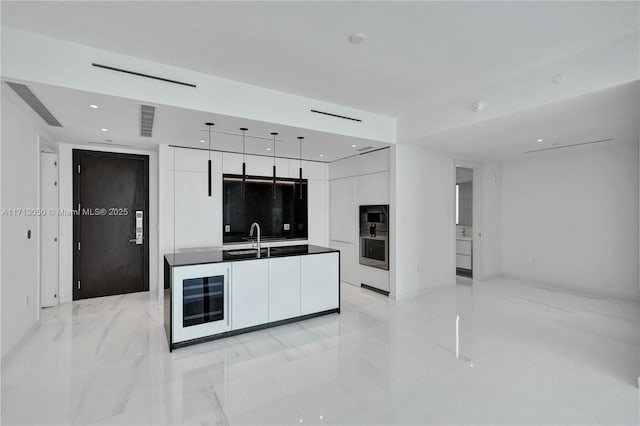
(608, 114)
(424, 62)
(122, 119)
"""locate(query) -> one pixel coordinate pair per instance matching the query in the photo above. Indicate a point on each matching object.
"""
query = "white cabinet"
(318, 194)
(197, 216)
(373, 188)
(249, 293)
(319, 286)
(232, 163)
(346, 167)
(343, 210)
(284, 288)
(463, 254)
(348, 262)
(374, 162)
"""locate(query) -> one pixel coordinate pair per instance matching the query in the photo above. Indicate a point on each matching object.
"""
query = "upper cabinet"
(374, 162)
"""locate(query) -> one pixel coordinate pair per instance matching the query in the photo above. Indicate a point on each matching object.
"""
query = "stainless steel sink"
(242, 252)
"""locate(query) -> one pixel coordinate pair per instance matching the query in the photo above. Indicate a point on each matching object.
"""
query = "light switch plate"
(286, 227)
(227, 228)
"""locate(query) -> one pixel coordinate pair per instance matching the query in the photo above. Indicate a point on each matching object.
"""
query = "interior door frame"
(77, 153)
(477, 247)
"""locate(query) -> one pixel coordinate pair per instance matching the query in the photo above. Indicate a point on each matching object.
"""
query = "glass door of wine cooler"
(200, 301)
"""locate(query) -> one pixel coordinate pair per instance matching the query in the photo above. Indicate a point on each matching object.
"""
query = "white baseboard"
(11, 352)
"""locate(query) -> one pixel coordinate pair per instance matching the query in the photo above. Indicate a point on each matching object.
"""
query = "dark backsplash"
(259, 206)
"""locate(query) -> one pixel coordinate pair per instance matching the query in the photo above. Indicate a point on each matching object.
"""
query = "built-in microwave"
(374, 236)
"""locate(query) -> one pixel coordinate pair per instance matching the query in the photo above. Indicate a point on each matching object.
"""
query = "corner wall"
(21, 132)
(570, 218)
(422, 242)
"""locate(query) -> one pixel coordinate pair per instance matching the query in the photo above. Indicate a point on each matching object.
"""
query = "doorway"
(464, 224)
(110, 224)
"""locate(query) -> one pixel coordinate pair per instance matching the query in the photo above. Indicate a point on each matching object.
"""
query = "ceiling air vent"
(147, 113)
(336, 115)
(366, 148)
(139, 74)
(27, 95)
(567, 146)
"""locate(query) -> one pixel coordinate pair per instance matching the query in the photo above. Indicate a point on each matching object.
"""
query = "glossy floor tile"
(497, 352)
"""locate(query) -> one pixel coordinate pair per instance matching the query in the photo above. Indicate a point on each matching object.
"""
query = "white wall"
(359, 180)
(65, 171)
(21, 131)
(423, 218)
(488, 234)
(570, 217)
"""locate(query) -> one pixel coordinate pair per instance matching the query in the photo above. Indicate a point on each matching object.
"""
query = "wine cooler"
(200, 301)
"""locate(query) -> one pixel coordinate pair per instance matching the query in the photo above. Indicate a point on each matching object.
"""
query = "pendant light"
(300, 138)
(208, 124)
(243, 191)
(274, 134)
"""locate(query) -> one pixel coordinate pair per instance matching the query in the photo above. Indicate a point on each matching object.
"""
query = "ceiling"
(182, 127)
(611, 113)
(416, 53)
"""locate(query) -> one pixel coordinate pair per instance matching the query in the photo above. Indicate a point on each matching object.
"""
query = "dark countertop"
(198, 257)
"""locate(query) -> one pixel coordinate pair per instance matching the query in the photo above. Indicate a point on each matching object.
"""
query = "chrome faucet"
(253, 226)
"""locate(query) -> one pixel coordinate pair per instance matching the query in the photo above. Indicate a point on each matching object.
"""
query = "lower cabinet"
(319, 284)
(249, 293)
(284, 288)
(269, 290)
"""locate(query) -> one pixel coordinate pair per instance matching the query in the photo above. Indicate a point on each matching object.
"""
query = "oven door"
(200, 301)
(374, 251)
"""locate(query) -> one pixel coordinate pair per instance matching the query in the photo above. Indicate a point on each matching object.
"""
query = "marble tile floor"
(527, 355)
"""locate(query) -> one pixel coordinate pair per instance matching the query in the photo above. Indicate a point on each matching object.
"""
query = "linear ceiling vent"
(139, 74)
(27, 95)
(568, 146)
(147, 113)
(336, 115)
(111, 144)
(366, 148)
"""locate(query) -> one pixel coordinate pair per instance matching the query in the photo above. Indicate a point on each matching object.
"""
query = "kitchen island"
(216, 293)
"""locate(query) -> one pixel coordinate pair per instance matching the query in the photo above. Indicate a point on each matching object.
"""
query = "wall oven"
(374, 236)
(200, 301)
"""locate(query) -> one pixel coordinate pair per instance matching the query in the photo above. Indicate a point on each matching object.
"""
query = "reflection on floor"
(464, 280)
(528, 355)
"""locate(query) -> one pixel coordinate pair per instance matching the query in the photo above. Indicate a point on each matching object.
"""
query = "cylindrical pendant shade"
(243, 190)
(274, 182)
(301, 183)
(209, 178)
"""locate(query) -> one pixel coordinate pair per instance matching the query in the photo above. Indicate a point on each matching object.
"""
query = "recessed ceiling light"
(357, 38)
(201, 140)
(94, 106)
(105, 130)
(540, 140)
(353, 146)
(268, 149)
(321, 155)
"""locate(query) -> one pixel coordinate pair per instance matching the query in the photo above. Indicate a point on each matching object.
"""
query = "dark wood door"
(110, 190)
